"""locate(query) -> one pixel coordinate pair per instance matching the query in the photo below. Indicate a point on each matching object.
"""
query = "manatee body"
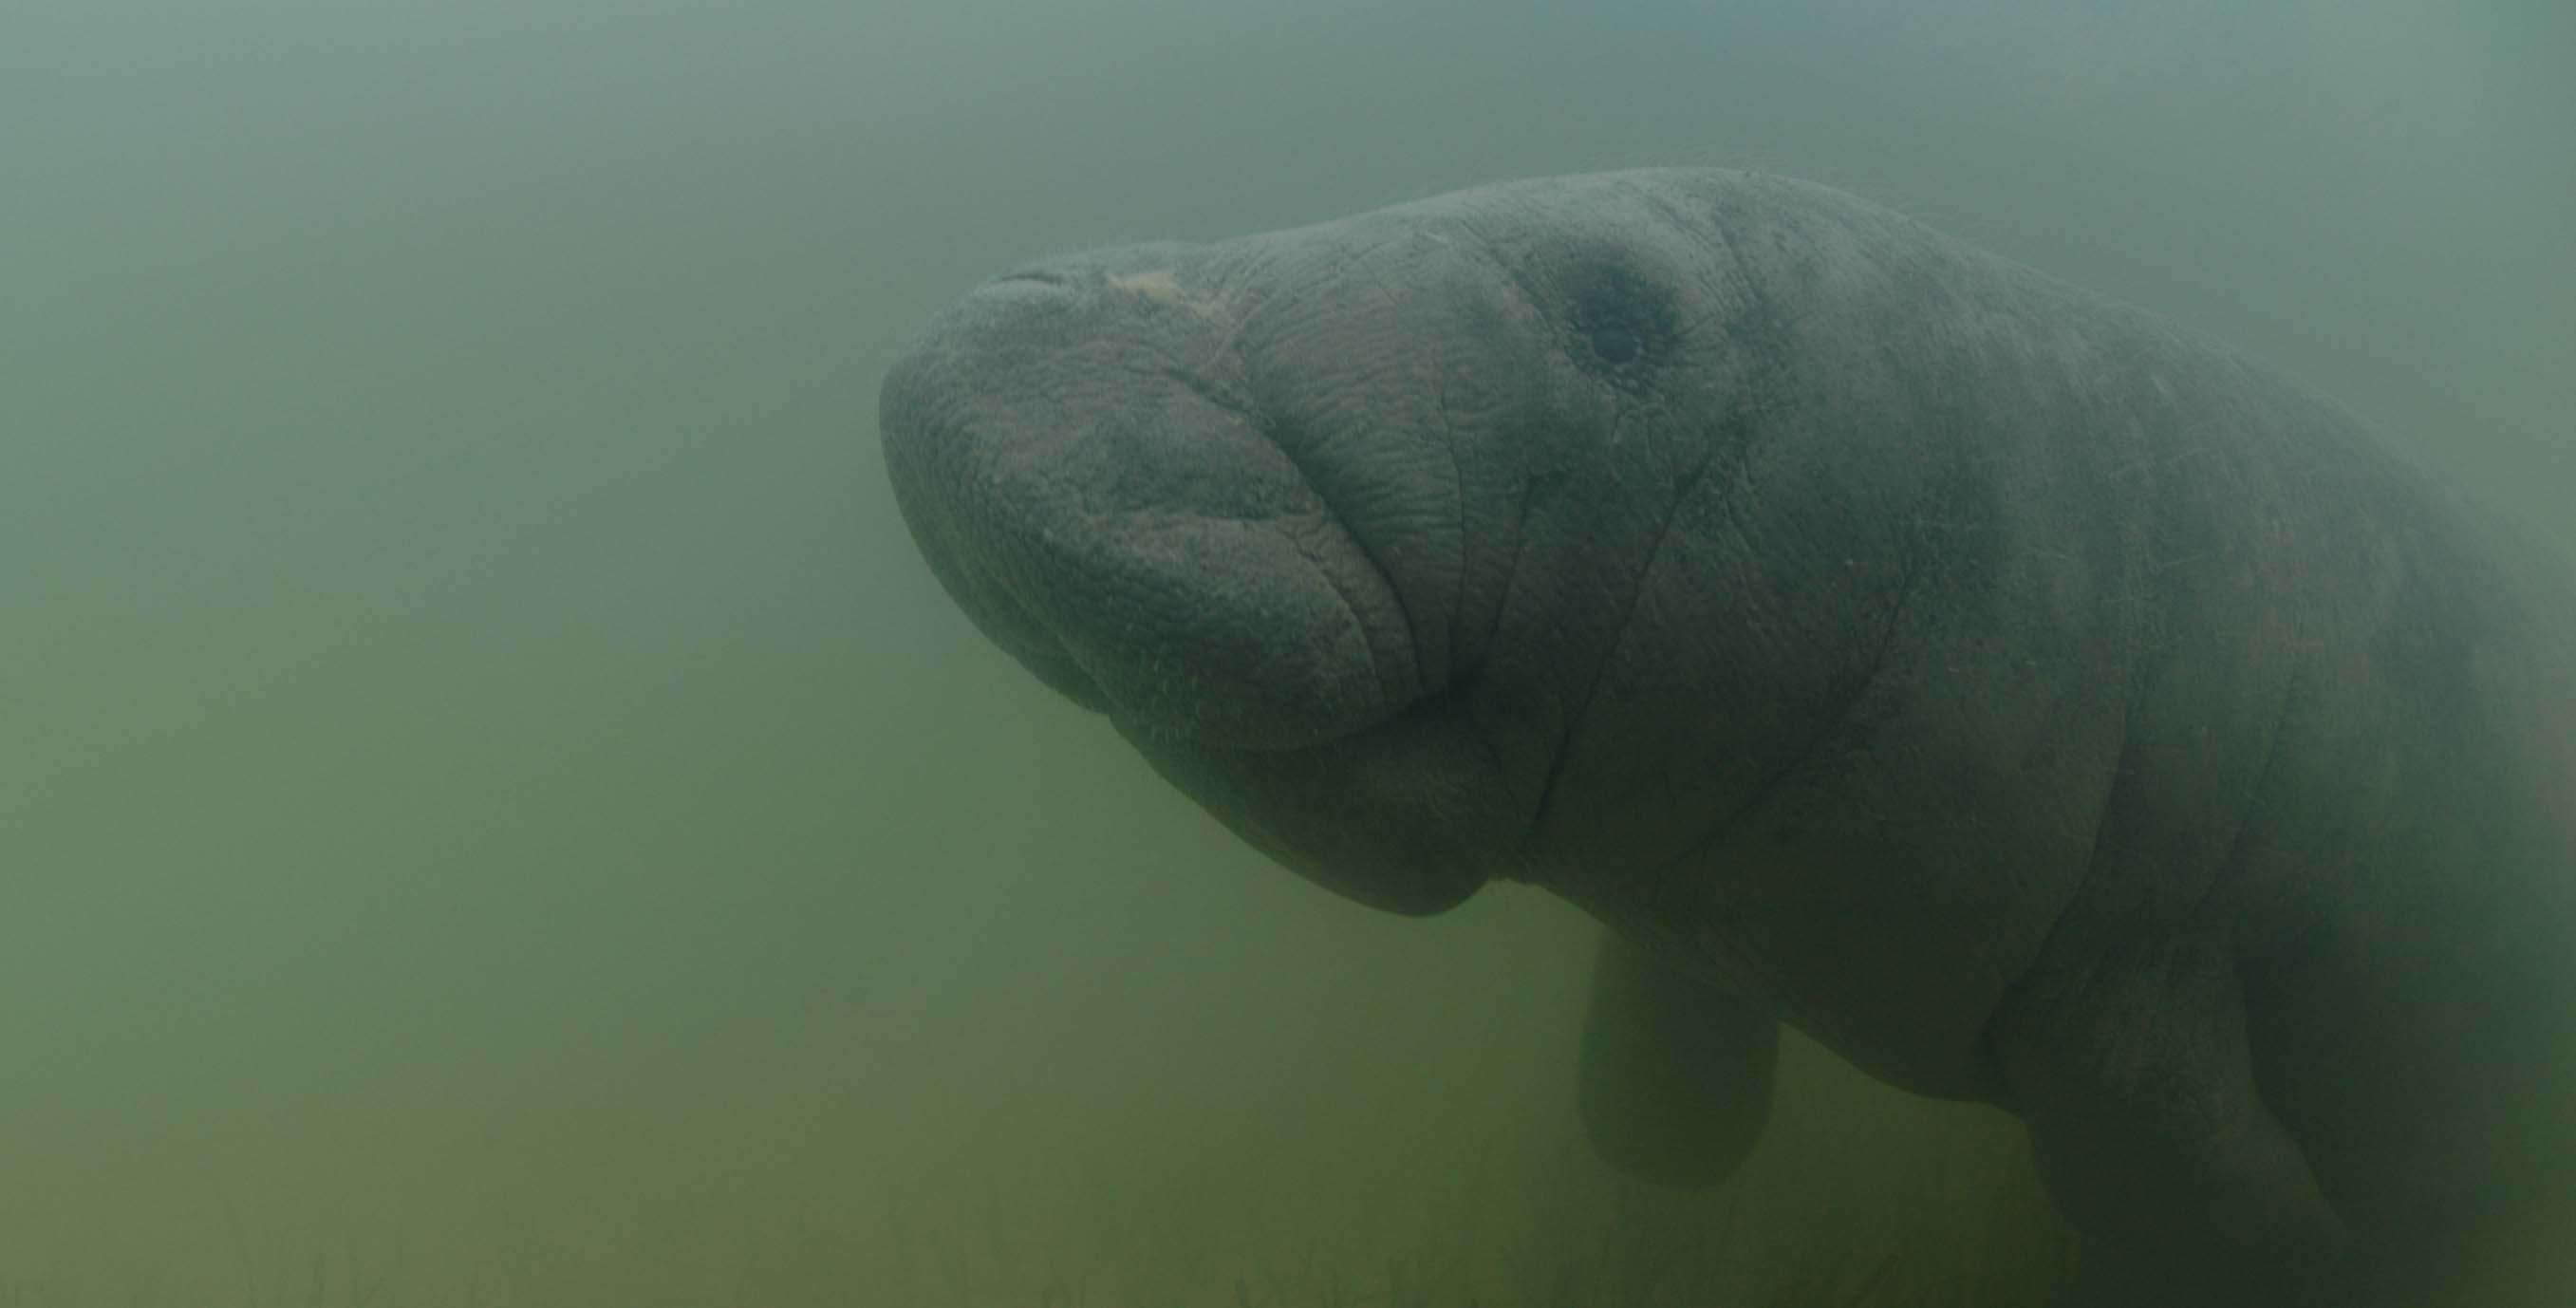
(2029, 699)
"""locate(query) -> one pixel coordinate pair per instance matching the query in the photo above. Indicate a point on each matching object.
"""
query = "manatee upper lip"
(1219, 635)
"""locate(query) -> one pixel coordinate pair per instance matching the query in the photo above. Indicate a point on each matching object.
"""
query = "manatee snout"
(1075, 452)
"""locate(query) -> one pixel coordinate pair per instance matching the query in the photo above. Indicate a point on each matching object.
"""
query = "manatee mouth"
(1011, 627)
(1102, 508)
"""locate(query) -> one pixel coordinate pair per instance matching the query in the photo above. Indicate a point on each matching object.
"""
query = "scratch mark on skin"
(1835, 723)
(1601, 670)
(1458, 514)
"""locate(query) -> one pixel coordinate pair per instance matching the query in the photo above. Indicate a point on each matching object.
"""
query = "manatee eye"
(1619, 315)
(1615, 345)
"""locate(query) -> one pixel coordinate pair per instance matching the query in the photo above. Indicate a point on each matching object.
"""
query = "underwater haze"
(494, 810)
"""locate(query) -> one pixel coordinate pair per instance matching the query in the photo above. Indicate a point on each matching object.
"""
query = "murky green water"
(493, 811)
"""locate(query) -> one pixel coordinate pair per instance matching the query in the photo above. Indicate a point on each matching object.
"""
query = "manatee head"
(1351, 529)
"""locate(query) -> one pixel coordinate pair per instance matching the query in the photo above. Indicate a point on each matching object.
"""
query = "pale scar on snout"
(1162, 287)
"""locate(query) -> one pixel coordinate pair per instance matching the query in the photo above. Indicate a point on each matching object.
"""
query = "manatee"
(2029, 699)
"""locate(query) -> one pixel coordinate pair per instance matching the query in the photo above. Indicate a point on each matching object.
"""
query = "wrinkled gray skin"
(2029, 699)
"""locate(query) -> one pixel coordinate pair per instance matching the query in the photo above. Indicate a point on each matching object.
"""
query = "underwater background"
(494, 811)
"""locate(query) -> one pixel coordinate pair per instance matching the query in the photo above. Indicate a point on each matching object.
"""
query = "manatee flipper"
(2135, 1078)
(1676, 1074)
